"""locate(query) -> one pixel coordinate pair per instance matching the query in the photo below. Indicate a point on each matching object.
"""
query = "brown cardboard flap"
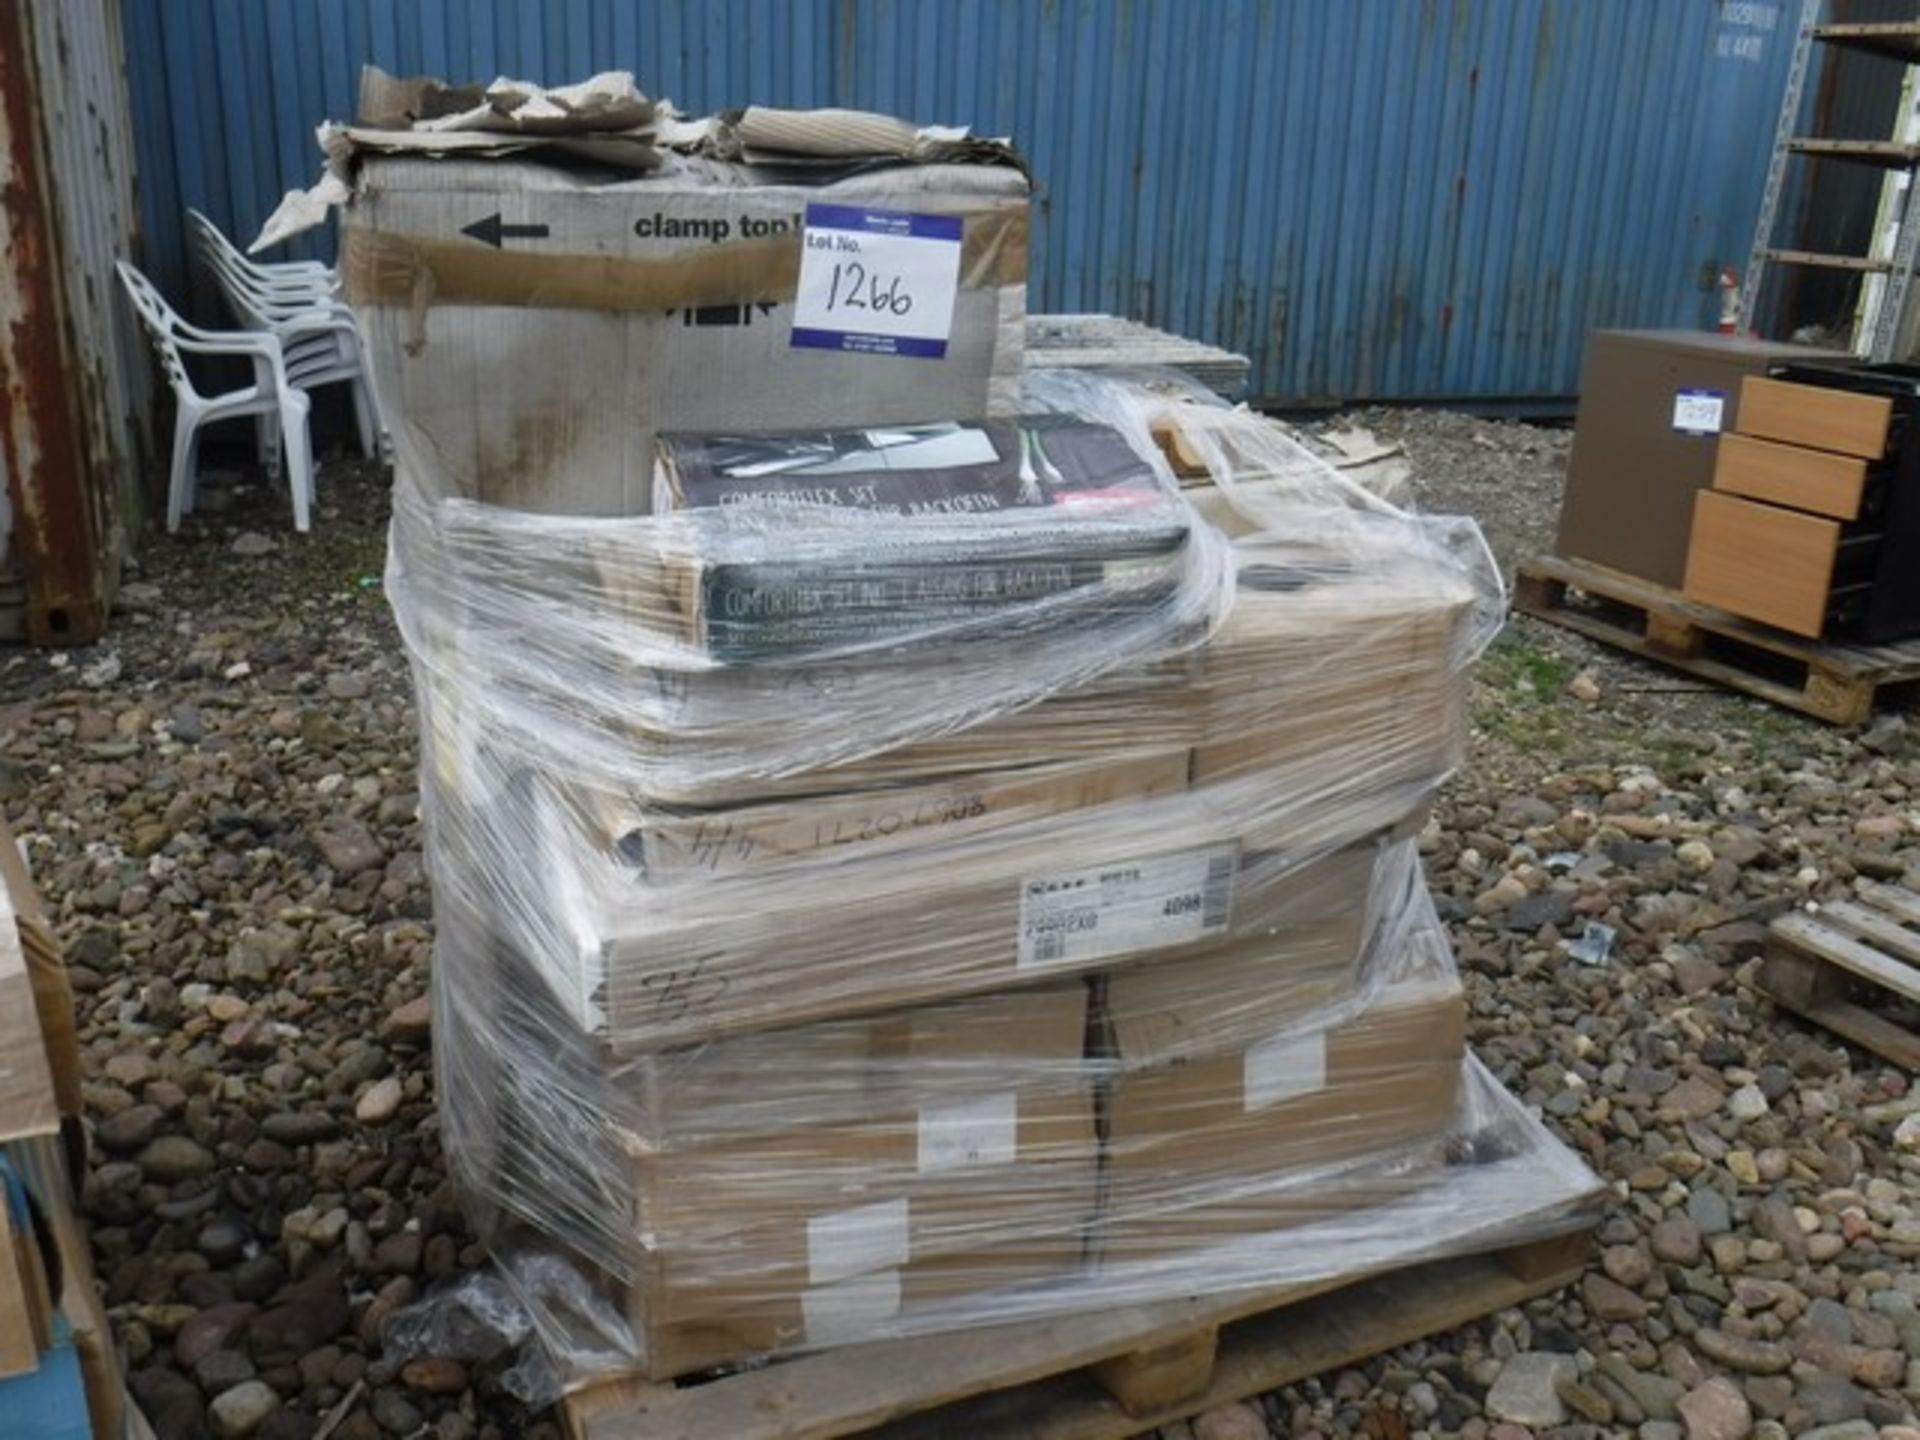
(46, 970)
(23, 1299)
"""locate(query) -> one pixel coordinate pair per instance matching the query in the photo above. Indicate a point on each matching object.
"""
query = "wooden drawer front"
(1816, 480)
(1839, 420)
(1761, 561)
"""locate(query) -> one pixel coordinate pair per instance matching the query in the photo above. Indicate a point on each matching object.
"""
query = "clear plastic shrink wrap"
(860, 916)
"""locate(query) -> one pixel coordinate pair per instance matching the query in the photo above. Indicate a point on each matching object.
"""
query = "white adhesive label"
(877, 282)
(1284, 1067)
(969, 1134)
(852, 1309)
(1085, 915)
(1699, 412)
(844, 1243)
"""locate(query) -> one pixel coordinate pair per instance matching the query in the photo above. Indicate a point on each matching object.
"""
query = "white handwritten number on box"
(877, 282)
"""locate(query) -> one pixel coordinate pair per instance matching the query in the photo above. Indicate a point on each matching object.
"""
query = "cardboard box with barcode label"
(918, 1294)
(1214, 1128)
(1021, 907)
(823, 1234)
(860, 1068)
(530, 364)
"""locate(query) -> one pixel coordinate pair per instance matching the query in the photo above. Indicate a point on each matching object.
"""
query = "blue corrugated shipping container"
(1377, 199)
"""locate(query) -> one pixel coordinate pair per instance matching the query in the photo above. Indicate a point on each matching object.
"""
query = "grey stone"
(238, 1412)
(1716, 1410)
(1708, 1209)
(1526, 1390)
(173, 1158)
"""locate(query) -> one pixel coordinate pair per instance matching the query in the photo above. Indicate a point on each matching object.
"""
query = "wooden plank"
(1800, 980)
(850, 1390)
(1762, 561)
(1816, 415)
(1893, 939)
(1151, 1381)
(1545, 1258)
(1793, 475)
(1678, 638)
(1258, 1354)
(1896, 900)
(1892, 661)
(1845, 700)
(841, 1392)
(1705, 666)
(1825, 943)
(1851, 1021)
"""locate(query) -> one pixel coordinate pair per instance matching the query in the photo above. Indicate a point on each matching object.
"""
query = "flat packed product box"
(535, 371)
(993, 530)
(941, 924)
(887, 1064)
(1209, 1131)
(860, 1307)
(729, 1221)
(1318, 661)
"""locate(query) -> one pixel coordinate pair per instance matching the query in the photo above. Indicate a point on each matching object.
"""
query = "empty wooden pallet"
(1854, 967)
(1831, 680)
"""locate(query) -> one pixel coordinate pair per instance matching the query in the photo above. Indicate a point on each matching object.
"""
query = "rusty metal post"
(56, 526)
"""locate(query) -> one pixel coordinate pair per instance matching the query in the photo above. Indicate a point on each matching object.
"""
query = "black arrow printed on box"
(492, 230)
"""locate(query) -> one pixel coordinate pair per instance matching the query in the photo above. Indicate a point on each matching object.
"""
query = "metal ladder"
(1887, 280)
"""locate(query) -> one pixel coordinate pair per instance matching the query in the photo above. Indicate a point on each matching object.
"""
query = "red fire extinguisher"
(1729, 301)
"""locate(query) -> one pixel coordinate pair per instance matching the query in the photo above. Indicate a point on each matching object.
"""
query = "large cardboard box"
(39, 1046)
(1022, 907)
(859, 1308)
(1206, 1143)
(1652, 405)
(823, 1234)
(860, 1068)
(535, 372)
(669, 844)
(1322, 655)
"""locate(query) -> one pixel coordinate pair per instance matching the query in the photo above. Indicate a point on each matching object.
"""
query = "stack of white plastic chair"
(272, 398)
(300, 303)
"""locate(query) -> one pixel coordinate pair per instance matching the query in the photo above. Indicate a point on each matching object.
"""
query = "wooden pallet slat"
(1836, 947)
(1100, 1376)
(1837, 682)
(1893, 938)
(1842, 966)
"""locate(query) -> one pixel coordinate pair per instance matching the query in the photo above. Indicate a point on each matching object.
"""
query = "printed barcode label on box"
(851, 1309)
(969, 1134)
(1284, 1067)
(845, 1243)
(1085, 915)
(1699, 412)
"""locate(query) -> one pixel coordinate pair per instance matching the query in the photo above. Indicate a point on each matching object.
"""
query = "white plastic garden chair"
(302, 307)
(309, 276)
(272, 396)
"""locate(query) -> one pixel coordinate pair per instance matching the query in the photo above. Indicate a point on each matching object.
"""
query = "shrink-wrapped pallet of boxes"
(915, 872)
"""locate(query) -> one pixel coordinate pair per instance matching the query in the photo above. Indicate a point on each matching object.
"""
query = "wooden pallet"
(1826, 679)
(1093, 1377)
(1826, 964)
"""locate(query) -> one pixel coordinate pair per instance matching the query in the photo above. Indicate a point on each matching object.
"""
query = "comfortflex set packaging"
(901, 863)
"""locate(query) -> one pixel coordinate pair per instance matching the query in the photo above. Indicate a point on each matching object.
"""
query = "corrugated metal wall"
(74, 426)
(1373, 199)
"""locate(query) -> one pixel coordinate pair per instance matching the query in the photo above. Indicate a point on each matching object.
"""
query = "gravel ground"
(219, 805)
